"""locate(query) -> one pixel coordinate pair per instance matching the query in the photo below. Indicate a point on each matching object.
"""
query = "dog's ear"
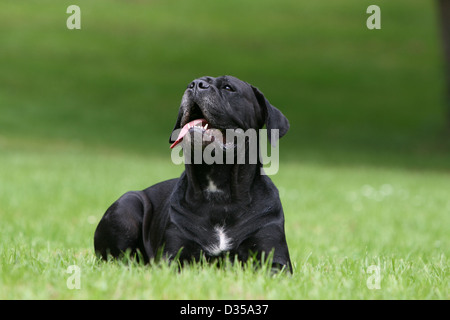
(177, 126)
(273, 118)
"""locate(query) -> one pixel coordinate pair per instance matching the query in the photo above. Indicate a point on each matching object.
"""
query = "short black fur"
(185, 213)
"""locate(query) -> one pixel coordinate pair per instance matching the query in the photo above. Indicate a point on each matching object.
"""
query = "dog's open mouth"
(199, 130)
(202, 124)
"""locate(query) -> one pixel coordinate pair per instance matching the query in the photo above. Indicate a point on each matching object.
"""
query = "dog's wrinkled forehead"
(235, 83)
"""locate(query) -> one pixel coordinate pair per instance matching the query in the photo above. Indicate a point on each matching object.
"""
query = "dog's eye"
(228, 88)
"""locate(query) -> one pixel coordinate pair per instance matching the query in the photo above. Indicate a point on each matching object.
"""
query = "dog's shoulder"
(161, 190)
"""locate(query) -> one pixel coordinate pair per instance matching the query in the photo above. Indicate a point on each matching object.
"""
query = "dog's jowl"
(215, 208)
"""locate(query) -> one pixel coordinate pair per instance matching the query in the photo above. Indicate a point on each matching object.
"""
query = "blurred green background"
(85, 115)
(352, 95)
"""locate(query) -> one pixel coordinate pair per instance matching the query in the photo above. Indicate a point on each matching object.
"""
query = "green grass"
(85, 116)
(339, 221)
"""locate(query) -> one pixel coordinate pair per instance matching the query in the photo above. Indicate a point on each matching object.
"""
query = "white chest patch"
(211, 186)
(223, 242)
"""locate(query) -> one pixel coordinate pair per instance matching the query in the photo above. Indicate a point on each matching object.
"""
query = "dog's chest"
(219, 242)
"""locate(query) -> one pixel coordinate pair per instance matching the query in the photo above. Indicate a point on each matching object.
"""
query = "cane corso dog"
(212, 210)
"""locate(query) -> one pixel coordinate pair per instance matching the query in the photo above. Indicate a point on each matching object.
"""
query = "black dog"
(212, 209)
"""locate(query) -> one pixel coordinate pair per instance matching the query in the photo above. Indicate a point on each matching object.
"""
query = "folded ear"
(273, 118)
(177, 126)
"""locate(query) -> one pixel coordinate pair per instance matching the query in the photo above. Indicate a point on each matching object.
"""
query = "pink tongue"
(185, 130)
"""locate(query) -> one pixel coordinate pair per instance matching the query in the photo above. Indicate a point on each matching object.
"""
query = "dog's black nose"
(199, 84)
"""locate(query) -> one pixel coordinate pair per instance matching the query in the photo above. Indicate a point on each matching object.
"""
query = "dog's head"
(210, 106)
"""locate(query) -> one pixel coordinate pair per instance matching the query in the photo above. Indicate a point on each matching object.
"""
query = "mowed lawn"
(365, 169)
(340, 221)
